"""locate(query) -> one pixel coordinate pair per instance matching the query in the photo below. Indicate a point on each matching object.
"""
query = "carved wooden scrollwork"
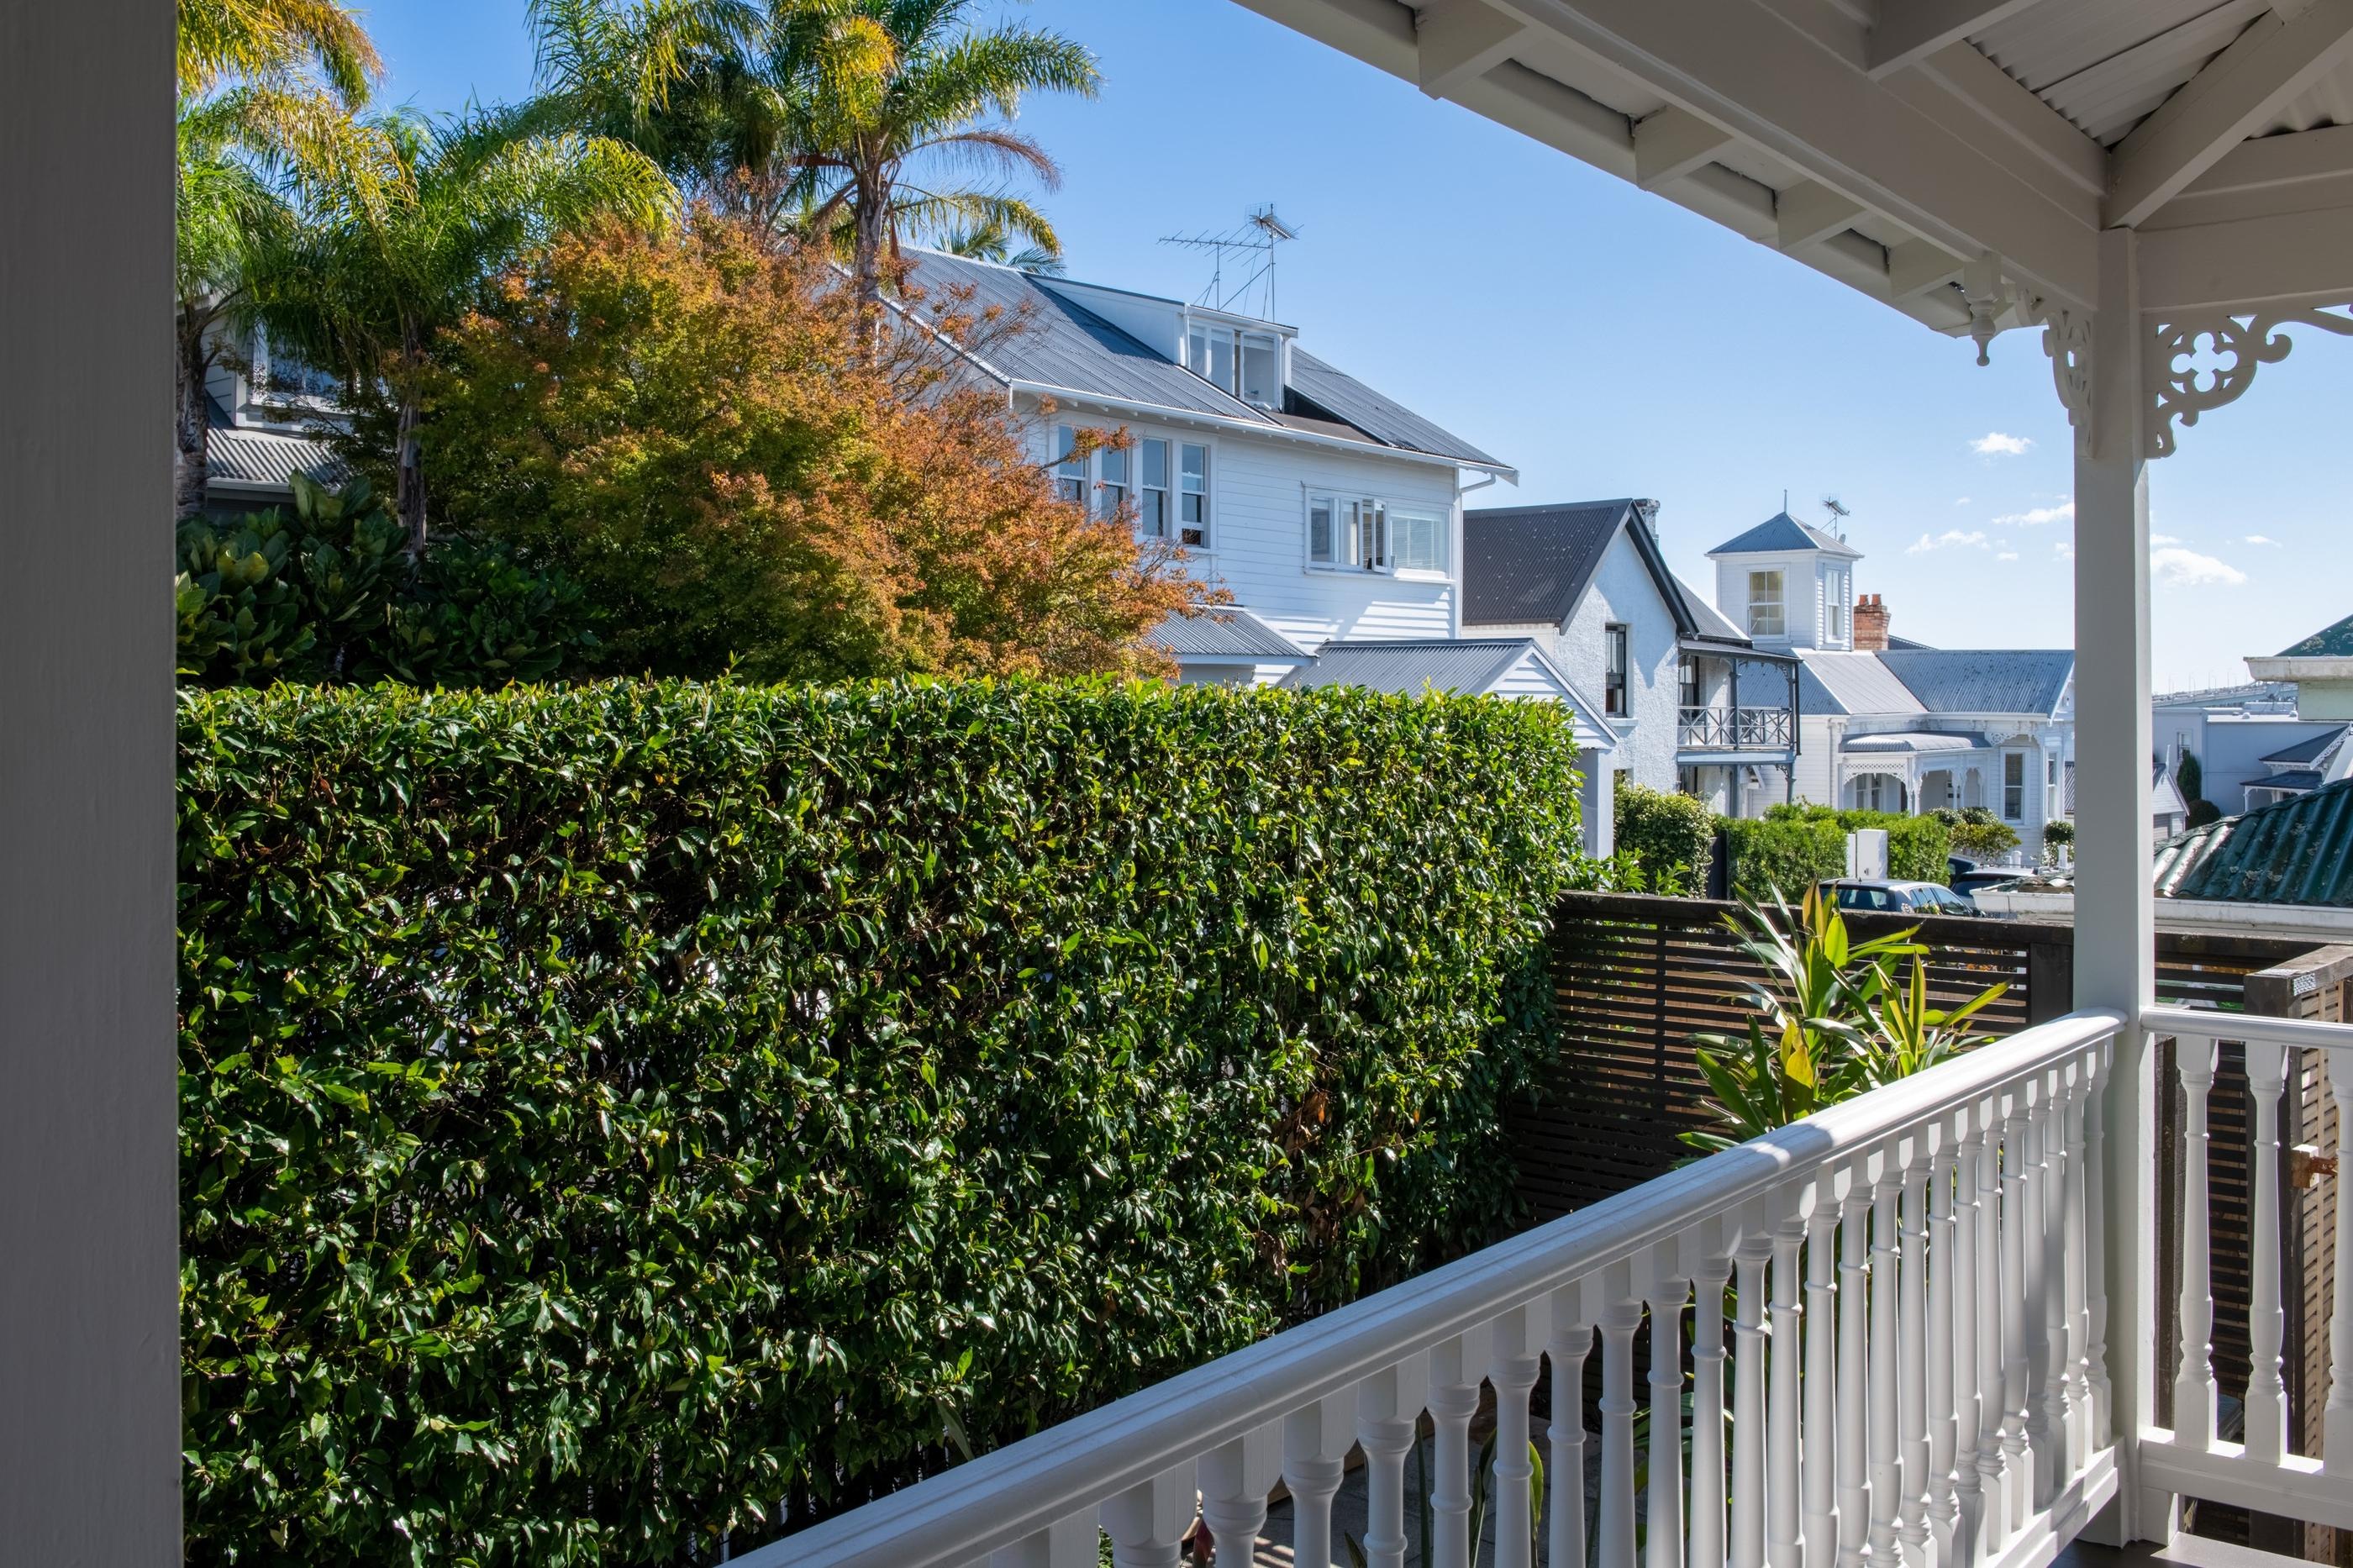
(2182, 392)
(2067, 340)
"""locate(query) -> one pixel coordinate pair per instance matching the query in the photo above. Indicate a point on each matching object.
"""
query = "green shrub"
(2202, 811)
(607, 1111)
(1987, 838)
(331, 595)
(2189, 776)
(1668, 834)
(1799, 844)
(2057, 833)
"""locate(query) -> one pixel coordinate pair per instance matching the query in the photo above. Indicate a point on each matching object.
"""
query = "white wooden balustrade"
(2192, 1459)
(1914, 1369)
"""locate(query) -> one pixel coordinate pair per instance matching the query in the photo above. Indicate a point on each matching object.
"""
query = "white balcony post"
(1389, 1410)
(1235, 1478)
(1147, 1522)
(1456, 1369)
(2116, 924)
(1315, 1443)
(1571, 1343)
(1516, 1358)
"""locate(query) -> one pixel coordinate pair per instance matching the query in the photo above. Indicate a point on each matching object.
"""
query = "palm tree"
(855, 120)
(267, 89)
(896, 99)
(396, 239)
(990, 242)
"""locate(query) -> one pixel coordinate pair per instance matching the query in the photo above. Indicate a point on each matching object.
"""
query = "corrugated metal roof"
(1336, 392)
(265, 458)
(2295, 851)
(2107, 64)
(2310, 750)
(1468, 664)
(2291, 778)
(1065, 345)
(1531, 564)
(1851, 683)
(1983, 680)
(2329, 642)
(1782, 531)
(1225, 633)
(1919, 744)
(1711, 621)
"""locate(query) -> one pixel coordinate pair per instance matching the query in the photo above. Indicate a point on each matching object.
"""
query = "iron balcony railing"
(1734, 729)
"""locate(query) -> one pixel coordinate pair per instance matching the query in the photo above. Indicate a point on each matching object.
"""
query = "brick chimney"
(1870, 623)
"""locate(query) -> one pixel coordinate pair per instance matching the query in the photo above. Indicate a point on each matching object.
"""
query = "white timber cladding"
(1811, 582)
(1258, 491)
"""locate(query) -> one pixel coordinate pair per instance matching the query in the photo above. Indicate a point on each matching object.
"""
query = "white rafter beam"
(1674, 143)
(1807, 213)
(2286, 257)
(1909, 31)
(2266, 66)
(1459, 39)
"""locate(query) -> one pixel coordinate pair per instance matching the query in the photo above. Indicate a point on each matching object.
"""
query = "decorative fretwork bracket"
(2247, 339)
(2067, 340)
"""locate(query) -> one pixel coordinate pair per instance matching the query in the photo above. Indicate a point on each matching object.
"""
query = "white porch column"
(2116, 924)
(1597, 806)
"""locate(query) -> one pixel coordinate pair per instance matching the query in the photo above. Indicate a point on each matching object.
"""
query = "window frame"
(1153, 519)
(1388, 517)
(1779, 602)
(1092, 482)
(2013, 791)
(1616, 669)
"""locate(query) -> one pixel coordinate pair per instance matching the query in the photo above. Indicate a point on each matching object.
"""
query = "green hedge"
(1796, 845)
(1668, 836)
(608, 1111)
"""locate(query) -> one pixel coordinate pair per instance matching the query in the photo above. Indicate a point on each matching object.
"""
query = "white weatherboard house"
(1890, 725)
(1690, 700)
(267, 411)
(1330, 512)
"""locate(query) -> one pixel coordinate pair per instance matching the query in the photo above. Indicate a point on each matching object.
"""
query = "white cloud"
(2188, 569)
(2258, 538)
(1962, 500)
(2163, 539)
(2035, 518)
(2063, 548)
(1950, 538)
(1994, 443)
(2007, 555)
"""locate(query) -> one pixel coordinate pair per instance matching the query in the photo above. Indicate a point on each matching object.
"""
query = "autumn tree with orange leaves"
(695, 428)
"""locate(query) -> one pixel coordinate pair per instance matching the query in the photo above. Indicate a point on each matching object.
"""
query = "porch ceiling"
(1890, 143)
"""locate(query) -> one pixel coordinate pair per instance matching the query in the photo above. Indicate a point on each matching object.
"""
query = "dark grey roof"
(1983, 680)
(2309, 751)
(2291, 778)
(1225, 634)
(1065, 345)
(1383, 418)
(1782, 531)
(1404, 666)
(2329, 642)
(1527, 564)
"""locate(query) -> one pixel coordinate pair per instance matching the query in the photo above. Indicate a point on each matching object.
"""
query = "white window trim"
(1093, 484)
(1443, 513)
(1750, 600)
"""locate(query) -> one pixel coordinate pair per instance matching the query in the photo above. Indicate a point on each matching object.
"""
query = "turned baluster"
(2095, 1264)
(2016, 1251)
(1782, 1549)
(1818, 1451)
(1994, 1519)
(2058, 1372)
(2074, 1250)
(1664, 1482)
(1912, 1357)
(1887, 1452)
(1571, 1343)
(1456, 1368)
(1749, 1439)
(1622, 1315)
(1960, 1274)
(1853, 1329)
(1388, 1411)
(1315, 1444)
(2193, 1383)
(1512, 1367)
(1707, 1479)
(1147, 1522)
(2266, 1396)
(1944, 1420)
(1234, 1479)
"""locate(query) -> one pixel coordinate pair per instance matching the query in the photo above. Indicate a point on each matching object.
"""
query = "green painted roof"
(2330, 642)
(2295, 852)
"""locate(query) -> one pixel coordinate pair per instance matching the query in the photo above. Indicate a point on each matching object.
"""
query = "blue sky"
(1607, 344)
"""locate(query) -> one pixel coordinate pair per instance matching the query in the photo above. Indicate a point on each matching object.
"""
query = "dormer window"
(1238, 361)
(1768, 604)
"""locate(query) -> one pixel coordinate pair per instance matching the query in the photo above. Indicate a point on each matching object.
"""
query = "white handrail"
(1015, 1493)
(2209, 1024)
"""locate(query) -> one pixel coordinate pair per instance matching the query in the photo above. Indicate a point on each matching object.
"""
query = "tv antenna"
(1249, 249)
(1840, 511)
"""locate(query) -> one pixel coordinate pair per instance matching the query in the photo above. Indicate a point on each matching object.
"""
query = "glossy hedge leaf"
(607, 1112)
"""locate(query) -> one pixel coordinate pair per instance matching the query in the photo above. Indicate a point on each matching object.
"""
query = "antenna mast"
(1840, 511)
(1252, 249)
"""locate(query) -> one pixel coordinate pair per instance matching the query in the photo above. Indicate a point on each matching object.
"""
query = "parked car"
(1874, 896)
(1970, 883)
